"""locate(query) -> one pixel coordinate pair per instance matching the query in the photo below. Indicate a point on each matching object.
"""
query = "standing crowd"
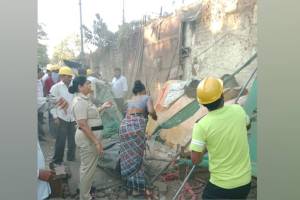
(77, 122)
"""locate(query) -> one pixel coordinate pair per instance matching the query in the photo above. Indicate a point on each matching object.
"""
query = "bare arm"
(197, 156)
(45, 175)
(104, 106)
(150, 109)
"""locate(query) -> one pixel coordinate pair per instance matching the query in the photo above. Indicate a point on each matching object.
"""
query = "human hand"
(99, 148)
(154, 116)
(107, 104)
(62, 104)
(46, 175)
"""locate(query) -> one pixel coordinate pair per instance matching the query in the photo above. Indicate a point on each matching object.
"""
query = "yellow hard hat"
(49, 67)
(55, 67)
(89, 72)
(65, 71)
(209, 90)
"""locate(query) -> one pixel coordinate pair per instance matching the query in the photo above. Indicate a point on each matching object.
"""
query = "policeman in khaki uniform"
(88, 133)
(223, 134)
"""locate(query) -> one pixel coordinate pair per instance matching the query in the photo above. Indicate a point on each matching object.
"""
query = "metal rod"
(167, 166)
(183, 183)
(240, 69)
(244, 87)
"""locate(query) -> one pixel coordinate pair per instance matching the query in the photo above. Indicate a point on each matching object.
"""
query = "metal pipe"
(244, 87)
(167, 166)
(183, 183)
(240, 69)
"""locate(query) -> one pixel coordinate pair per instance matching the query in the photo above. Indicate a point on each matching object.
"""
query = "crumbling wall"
(219, 52)
(187, 45)
(160, 56)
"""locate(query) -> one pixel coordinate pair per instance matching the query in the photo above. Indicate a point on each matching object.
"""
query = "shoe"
(42, 139)
(71, 159)
(53, 165)
(93, 192)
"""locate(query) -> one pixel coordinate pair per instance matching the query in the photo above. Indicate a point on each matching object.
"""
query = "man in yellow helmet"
(55, 75)
(223, 134)
(63, 118)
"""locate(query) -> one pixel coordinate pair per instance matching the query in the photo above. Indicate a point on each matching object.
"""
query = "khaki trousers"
(88, 164)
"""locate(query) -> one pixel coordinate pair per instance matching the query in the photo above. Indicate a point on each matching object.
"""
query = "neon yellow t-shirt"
(223, 133)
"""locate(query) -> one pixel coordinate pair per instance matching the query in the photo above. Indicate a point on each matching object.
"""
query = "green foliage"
(67, 49)
(42, 56)
(41, 34)
(125, 32)
(109, 44)
(100, 36)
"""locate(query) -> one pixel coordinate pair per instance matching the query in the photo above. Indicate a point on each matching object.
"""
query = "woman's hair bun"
(138, 87)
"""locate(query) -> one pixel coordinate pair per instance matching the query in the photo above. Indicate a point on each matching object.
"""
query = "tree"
(100, 36)
(125, 32)
(42, 35)
(42, 56)
(67, 49)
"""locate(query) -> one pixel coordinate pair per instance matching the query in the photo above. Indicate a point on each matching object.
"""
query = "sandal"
(137, 194)
(93, 192)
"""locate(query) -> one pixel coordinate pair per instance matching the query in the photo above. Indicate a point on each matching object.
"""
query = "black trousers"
(120, 104)
(65, 131)
(52, 127)
(40, 124)
(212, 191)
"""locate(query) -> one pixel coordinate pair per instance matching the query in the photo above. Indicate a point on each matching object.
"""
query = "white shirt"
(119, 86)
(61, 90)
(39, 88)
(43, 187)
(40, 93)
(44, 78)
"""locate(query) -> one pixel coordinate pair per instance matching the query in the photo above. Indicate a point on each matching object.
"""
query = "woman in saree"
(133, 139)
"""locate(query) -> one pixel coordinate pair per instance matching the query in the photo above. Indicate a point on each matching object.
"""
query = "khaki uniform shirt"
(83, 108)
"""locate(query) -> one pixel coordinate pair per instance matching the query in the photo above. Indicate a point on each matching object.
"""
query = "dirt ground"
(110, 187)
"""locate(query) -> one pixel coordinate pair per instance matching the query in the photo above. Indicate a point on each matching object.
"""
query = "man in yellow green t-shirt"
(223, 134)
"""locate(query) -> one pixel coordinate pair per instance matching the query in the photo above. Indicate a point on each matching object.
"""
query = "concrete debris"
(162, 187)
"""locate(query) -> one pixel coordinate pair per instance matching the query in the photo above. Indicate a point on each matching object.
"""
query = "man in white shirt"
(119, 88)
(63, 118)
